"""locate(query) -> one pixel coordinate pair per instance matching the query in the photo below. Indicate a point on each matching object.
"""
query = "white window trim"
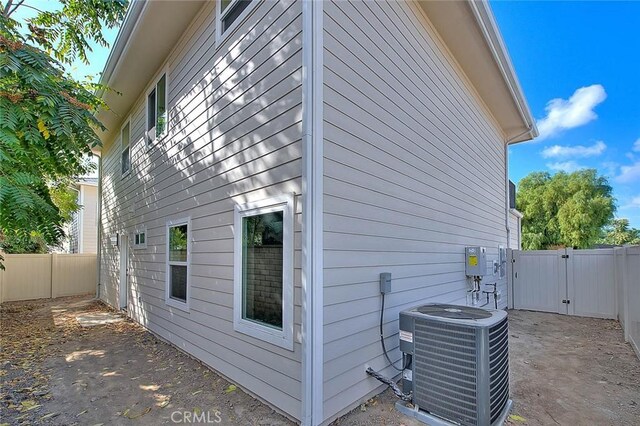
(167, 298)
(284, 337)
(128, 172)
(222, 36)
(153, 141)
(140, 230)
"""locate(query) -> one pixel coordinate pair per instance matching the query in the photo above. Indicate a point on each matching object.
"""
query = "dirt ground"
(564, 370)
(56, 372)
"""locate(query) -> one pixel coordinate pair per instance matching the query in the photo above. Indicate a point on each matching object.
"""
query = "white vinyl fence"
(599, 283)
(43, 276)
(627, 260)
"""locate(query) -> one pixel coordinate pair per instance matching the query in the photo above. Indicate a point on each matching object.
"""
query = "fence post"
(53, 270)
(625, 293)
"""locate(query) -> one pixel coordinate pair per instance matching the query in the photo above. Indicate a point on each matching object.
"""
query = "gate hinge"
(565, 256)
(567, 301)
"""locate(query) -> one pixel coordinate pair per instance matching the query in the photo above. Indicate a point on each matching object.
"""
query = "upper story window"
(230, 11)
(125, 153)
(157, 111)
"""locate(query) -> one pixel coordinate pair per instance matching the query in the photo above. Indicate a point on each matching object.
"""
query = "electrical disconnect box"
(385, 282)
(475, 264)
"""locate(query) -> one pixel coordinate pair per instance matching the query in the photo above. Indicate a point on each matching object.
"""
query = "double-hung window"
(157, 111)
(231, 11)
(178, 258)
(263, 270)
(125, 150)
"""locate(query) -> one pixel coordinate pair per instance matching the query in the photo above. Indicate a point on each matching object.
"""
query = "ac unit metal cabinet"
(460, 363)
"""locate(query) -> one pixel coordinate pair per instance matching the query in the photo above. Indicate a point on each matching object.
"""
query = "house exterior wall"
(413, 172)
(234, 137)
(89, 221)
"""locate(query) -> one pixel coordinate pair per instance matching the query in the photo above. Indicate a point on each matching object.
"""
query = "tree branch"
(21, 3)
(5, 9)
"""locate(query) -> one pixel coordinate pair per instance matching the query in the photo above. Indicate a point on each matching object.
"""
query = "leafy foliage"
(47, 118)
(564, 209)
(619, 233)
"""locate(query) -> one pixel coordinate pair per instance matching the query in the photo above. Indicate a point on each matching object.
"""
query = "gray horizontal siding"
(414, 172)
(234, 136)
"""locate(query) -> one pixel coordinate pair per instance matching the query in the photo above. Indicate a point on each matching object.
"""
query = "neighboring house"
(82, 232)
(267, 160)
(515, 220)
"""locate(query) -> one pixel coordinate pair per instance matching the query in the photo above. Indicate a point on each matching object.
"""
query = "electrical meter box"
(475, 261)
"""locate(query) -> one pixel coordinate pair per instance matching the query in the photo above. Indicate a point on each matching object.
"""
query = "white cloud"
(565, 114)
(579, 151)
(636, 146)
(565, 166)
(635, 202)
(611, 168)
(629, 174)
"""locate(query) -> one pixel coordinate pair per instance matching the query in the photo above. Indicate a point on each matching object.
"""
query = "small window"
(125, 156)
(230, 11)
(157, 111)
(263, 288)
(140, 239)
(177, 263)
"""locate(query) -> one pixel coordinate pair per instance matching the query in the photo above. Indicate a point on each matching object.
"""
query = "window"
(178, 258)
(263, 269)
(124, 144)
(157, 111)
(230, 11)
(140, 239)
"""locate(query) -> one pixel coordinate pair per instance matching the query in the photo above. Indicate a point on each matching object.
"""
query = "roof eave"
(487, 22)
(470, 33)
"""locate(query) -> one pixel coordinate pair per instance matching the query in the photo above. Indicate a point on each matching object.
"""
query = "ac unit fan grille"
(498, 368)
(444, 370)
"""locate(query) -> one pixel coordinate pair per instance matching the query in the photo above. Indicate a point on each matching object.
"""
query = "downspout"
(99, 248)
(506, 179)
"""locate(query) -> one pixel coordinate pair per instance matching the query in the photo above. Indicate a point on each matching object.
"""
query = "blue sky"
(579, 66)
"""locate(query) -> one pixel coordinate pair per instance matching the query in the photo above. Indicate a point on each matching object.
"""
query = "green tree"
(619, 233)
(566, 209)
(47, 118)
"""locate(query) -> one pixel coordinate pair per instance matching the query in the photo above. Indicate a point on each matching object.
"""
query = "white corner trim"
(184, 306)
(279, 337)
(312, 213)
